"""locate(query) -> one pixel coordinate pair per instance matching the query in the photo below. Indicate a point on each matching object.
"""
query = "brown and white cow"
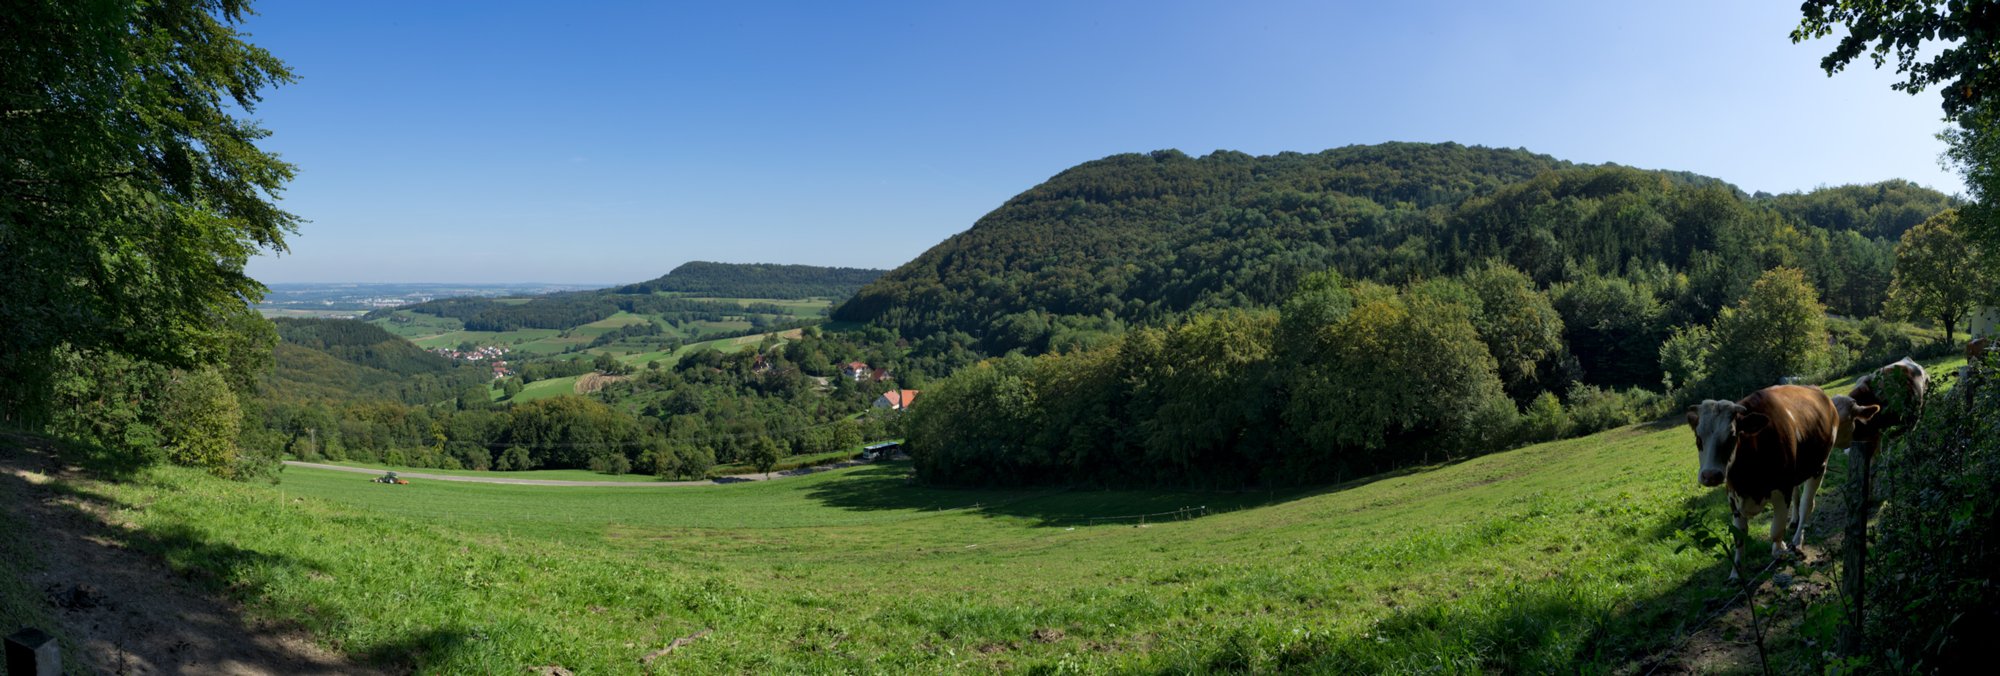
(1771, 444)
(1898, 391)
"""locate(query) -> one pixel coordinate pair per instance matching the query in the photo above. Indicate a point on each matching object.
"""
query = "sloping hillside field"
(1547, 557)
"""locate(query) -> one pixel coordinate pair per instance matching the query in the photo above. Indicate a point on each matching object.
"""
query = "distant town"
(351, 299)
(490, 353)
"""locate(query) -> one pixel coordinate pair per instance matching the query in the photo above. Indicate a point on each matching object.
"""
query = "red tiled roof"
(900, 398)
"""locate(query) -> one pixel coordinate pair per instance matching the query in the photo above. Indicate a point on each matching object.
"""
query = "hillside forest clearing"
(429, 331)
(1563, 555)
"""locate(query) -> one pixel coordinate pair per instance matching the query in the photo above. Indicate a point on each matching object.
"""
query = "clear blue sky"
(609, 142)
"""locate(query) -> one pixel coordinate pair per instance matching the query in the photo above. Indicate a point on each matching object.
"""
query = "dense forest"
(337, 359)
(1143, 239)
(1234, 320)
(757, 280)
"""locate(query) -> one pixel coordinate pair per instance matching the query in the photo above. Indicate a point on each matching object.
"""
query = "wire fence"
(1181, 514)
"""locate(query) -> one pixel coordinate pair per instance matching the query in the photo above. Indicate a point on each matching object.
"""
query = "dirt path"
(122, 611)
(1726, 640)
(734, 479)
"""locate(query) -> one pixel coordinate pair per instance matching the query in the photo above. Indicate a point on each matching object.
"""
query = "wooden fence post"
(1855, 547)
(32, 652)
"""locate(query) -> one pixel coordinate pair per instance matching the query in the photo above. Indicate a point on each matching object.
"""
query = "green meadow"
(543, 389)
(721, 344)
(428, 332)
(1550, 557)
(556, 474)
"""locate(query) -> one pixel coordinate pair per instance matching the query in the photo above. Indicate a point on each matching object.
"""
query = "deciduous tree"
(132, 189)
(1935, 277)
(1778, 330)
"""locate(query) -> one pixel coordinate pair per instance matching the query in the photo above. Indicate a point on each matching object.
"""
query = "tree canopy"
(1948, 43)
(1934, 276)
(132, 189)
(1148, 239)
(1900, 30)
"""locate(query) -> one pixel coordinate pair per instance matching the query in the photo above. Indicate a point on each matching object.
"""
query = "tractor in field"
(390, 478)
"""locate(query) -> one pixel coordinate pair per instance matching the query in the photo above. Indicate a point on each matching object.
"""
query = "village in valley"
(493, 355)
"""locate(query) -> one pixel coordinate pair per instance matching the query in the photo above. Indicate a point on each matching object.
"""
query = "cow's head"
(1852, 413)
(1898, 389)
(1718, 425)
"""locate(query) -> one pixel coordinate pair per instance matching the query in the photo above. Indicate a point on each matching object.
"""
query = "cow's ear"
(1752, 423)
(1862, 413)
(1694, 417)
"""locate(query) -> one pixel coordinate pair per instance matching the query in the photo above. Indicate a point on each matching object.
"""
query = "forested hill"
(339, 359)
(694, 291)
(757, 280)
(1145, 238)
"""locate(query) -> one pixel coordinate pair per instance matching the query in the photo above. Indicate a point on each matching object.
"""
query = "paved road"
(740, 478)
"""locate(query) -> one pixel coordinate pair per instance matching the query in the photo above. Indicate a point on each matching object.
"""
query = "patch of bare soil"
(123, 611)
(592, 382)
(1727, 641)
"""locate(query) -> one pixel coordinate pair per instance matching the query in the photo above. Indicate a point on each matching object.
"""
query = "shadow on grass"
(1700, 624)
(96, 461)
(98, 565)
(893, 486)
(419, 653)
(1532, 626)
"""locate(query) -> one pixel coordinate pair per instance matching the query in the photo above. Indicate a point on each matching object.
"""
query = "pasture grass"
(735, 344)
(806, 307)
(545, 388)
(418, 327)
(557, 474)
(1555, 557)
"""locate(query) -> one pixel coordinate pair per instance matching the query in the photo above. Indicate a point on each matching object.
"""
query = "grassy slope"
(543, 389)
(558, 474)
(1518, 560)
(736, 344)
(1556, 557)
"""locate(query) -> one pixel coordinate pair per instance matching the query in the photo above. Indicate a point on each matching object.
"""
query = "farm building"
(896, 399)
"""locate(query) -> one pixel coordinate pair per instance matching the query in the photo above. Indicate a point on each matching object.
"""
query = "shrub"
(1544, 420)
(1778, 330)
(1933, 562)
(1592, 408)
(1684, 360)
(199, 418)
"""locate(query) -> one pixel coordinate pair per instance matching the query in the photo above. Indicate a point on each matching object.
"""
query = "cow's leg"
(1740, 512)
(1808, 499)
(1781, 518)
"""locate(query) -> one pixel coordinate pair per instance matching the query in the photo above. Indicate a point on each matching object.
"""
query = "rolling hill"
(757, 280)
(340, 359)
(1146, 238)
